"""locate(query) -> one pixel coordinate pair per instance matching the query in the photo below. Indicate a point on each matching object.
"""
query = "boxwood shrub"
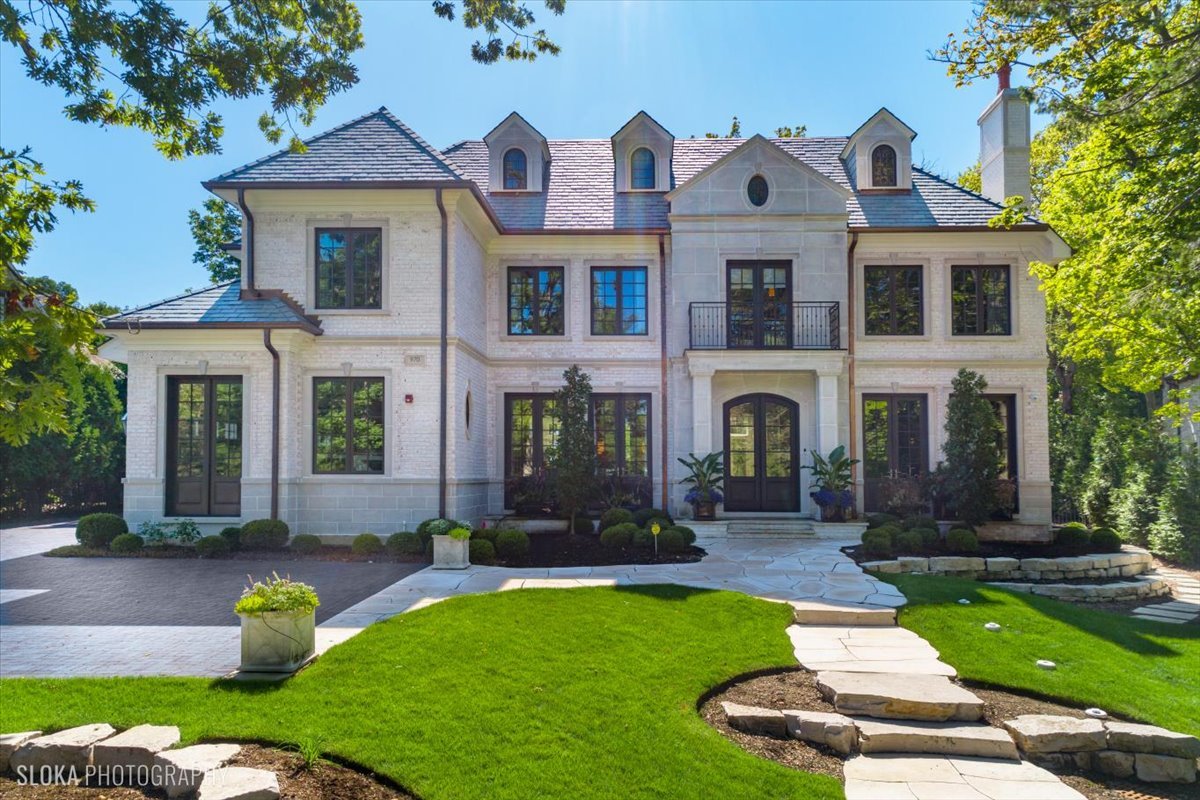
(212, 546)
(618, 535)
(485, 533)
(481, 551)
(512, 543)
(919, 522)
(233, 535)
(126, 543)
(644, 515)
(689, 535)
(930, 537)
(962, 540)
(671, 541)
(909, 542)
(877, 543)
(881, 519)
(642, 537)
(99, 530)
(615, 516)
(1105, 540)
(264, 534)
(886, 534)
(305, 544)
(405, 543)
(1073, 536)
(366, 544)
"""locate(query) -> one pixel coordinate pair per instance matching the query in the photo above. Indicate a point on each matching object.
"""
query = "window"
(349, 268)
(515, 174)
(883, 166)
(981, 301)
(893, 301)
(618, 301)
(530, 438)
(757, 191)
(348, 425)
(641, 169)
(204, 446)
(895, 443)
(622, 423)
(1005, 408)
(535, 301)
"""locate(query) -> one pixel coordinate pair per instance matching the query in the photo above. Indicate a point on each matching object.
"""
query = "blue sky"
(692, 65)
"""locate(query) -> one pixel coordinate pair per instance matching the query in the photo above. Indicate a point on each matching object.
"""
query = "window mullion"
(349, 425)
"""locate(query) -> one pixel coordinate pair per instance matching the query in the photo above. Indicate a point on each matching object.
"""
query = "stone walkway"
(1186, 605)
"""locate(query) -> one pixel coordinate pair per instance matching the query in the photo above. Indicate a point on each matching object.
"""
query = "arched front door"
(762, 454)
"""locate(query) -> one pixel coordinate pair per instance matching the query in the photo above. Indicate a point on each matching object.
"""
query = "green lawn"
(1145, 670)
(583, 693)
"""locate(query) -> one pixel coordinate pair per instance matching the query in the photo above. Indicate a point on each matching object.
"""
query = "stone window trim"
(724, 257)
(307, 433)
(311, 226)
(621, 420)
(194, 370)
(861, 264)
(757, 171)
(621, 304)
(535, 271)
(567, 265)
(1014, 299)
(352, 417)
(657, 166)
(651, 265)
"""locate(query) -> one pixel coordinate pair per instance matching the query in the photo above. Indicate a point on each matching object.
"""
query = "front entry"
(762, 450)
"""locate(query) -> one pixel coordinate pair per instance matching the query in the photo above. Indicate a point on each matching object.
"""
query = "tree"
(1120, 171)
(212, 227)
(799, 132)
(971, 468)
(735, 131)
(573, 463)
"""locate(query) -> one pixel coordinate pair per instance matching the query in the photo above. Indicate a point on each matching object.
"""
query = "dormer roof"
(881, 114)
(515, 119)
(642, 118)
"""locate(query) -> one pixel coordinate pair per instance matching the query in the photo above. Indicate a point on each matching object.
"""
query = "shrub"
(663, 524)
(962, 540)
(1105, 540)
(459, 533)
(154, 533)
(485, 533)
(909, 542)
(512, 543)
(233, 535)
(186, 531)
(689, 535)
(879, 520)
(99, 530)
(277, 594)
(212, 547)
(642, 537)
(1175, 535)
(644, 515)
(1075, 526)
(930, 537)
(366, 544)
(971, 468)
(436, 527)
(264, 534)
(126, 543)
(618, 535)
(481, 551)
(885, 535)
(615, 516)
(877, 548)
(671, 541)
(405, 543)
(1072, 536)
(583, 524)
(305, 544)
(919, 522)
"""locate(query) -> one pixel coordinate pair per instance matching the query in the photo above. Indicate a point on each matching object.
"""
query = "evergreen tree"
(573, 464)
(972, 464)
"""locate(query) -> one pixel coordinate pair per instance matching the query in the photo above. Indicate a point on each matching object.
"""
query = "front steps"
(824, 612)
(771, 526)
(899, 696)
(774, 528)
(935, 738)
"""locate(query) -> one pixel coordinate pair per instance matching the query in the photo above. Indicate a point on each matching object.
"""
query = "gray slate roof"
(219, 306)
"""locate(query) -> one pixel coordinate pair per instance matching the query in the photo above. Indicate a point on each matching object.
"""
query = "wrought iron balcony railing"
(801, 325)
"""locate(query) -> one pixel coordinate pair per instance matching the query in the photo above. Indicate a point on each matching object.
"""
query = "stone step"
(824, 612)
(935, 738)
(239, 783)
(179, 772)
(899, 696)
(776, 528)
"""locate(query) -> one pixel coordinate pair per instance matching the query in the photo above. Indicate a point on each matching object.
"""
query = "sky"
(691, 65)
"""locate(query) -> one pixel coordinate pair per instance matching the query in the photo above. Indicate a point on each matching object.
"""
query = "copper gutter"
(662, 347)
(437, 196)
(274, 422)
(851, 335)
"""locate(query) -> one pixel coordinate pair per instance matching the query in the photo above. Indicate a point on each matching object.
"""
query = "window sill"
(351, 312)
(535, 337)
(980, 337)
(895, 337)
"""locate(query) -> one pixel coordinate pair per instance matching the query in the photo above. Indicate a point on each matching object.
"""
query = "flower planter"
(450, 553)
(706, 511)
(277, 641)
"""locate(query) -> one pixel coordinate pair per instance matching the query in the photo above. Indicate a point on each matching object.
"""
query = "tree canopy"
(214, 225)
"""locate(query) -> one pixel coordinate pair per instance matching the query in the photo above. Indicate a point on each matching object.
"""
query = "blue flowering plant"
(705, 479)
(832, 482)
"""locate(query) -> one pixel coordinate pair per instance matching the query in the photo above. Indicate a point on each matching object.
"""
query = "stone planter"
(277, 641)
(450, 553)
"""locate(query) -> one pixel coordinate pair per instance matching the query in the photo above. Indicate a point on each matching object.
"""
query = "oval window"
(757, 191)
(467, 411)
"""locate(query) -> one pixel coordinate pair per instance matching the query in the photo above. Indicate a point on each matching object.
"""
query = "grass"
(1143, 670)
(587, 693)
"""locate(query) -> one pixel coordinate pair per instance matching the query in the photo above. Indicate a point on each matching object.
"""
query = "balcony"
(802, 325)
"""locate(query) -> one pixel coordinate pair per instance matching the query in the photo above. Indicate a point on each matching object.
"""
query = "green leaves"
(514, 18)
(213, 226)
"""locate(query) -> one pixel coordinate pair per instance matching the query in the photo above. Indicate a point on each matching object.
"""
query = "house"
(404, 314)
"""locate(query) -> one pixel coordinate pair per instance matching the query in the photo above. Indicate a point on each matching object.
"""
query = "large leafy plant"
(705, 478)
(832, 477)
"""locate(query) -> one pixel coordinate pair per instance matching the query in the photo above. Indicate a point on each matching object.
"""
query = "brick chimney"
(1004, 142)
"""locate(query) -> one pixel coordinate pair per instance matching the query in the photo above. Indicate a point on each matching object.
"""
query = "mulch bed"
(585, 550)
(325, 781)
(798, 689)
(986, 550)
(327, 552)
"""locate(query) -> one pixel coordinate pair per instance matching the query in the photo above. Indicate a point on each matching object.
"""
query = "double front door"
(204, 446)
(760, 304)
(762, 448)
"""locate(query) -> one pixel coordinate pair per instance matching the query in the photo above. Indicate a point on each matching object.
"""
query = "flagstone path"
(1185, 606)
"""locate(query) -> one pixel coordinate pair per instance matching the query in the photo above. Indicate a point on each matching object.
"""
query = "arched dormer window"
(641, 169)
(516, 176)
(883, 166)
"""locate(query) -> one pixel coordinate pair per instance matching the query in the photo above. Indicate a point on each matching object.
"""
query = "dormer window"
(642, 169)
(516, 176)
(883, 166)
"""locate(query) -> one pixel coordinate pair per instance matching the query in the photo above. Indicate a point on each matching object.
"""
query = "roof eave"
(110, 325)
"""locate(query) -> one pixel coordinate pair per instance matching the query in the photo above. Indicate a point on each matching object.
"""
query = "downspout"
(248, 244)
(662, 345)
(851, 331)
(274, 422)
(444, 347)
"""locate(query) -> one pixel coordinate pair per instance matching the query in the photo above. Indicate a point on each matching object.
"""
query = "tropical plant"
(705, 479)
(832, 478)
(573, 462)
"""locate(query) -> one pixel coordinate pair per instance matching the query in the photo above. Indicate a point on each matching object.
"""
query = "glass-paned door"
(759, 304)
(762, 449)
(895, 443)
(204, 446)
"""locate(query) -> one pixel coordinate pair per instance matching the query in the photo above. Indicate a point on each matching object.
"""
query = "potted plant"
(279, 623)
(452, 550)
(704, 480)
(831, 479)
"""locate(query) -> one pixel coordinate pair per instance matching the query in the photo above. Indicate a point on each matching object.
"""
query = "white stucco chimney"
(1004, 143)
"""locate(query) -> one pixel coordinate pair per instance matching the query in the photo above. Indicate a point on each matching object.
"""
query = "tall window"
(883, 166)
(535, 301)
(981, 301)
(618, 301)
(895, 442)
(515, 174)
(348, 426)
(204, 446)
(530, 439)
(641, 169)
(893, 301)
(622, 423)
(349, 268)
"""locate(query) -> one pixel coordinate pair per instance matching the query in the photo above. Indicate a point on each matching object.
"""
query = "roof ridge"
(421, 143)
(156, 304)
